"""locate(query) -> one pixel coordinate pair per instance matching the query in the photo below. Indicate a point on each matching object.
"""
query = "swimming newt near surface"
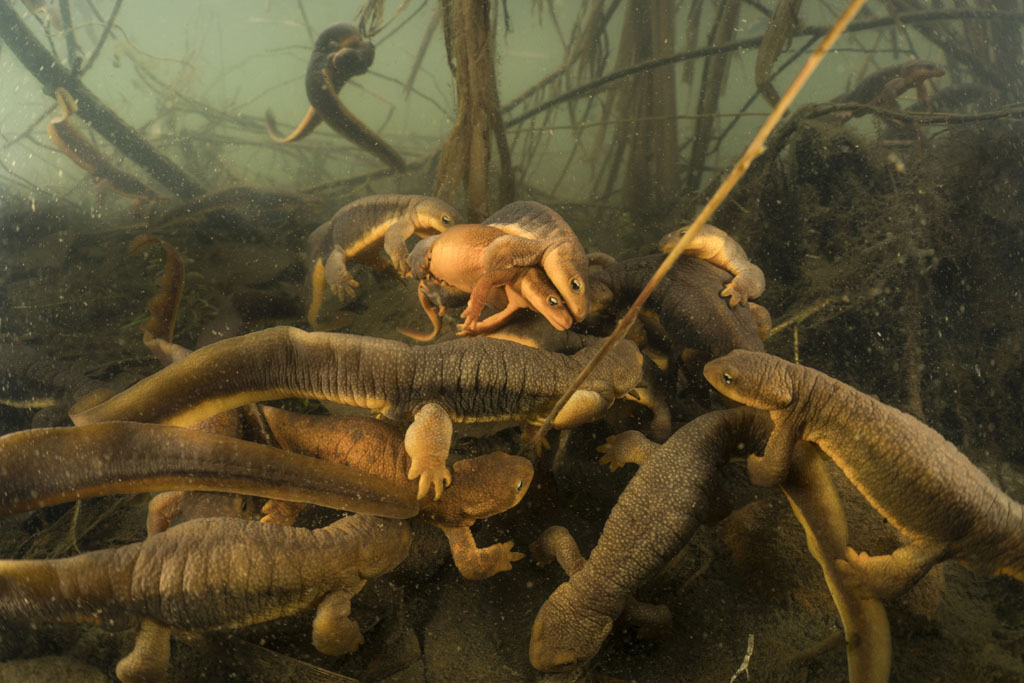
(339, 53)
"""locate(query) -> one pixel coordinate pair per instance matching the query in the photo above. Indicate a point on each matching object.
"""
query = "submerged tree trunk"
(465, 159)
(647, 110)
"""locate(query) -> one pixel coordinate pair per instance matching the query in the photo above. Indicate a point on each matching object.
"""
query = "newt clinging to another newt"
(456, 259)
(358, 232)
(920, 482)
(535, 235)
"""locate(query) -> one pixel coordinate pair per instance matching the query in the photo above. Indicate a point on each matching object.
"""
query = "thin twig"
(753, 150)
(868, 24)
(103, 37)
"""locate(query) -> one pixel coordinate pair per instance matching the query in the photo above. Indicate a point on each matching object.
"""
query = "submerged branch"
(813, 31)
(42, 64)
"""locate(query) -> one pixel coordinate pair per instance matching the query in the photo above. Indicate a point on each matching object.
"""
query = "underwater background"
(891, 237)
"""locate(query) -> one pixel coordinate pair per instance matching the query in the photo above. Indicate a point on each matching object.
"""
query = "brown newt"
(481, 487)
(456, 258)
(69, 140)
(209, 574)
(339, 53)
(535, 235)
(359, 230)
(475, 380)
(921, 483)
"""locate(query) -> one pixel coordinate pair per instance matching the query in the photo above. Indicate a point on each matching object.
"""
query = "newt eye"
(447, 220)
(519, 485)
(576, 284)
(727, 378)
(553, 301)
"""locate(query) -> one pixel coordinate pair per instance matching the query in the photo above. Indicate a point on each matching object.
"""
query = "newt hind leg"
(889, 576)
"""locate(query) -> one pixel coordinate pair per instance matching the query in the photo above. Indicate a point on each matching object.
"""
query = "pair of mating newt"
(523, 256)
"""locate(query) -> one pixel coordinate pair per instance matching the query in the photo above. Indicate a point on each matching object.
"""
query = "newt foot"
(489, 561)
(622, 449)
(344, 287)
(735, 295)
(437, 477)
(612, 457)
(859, 573)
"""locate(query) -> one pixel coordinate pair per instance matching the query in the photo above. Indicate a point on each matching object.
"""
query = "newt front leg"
(428, 440)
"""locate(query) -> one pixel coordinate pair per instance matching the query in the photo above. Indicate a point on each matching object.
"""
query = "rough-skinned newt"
(358, 232)
(69, 140)
(339, 53)
(654, 518)
(920, 482)
(686, 304)
(882, 87)
(209, 574)
(456, 257)
(475, 380)
(719, 249)
(535, 235)
(41, 467)
(481, 487)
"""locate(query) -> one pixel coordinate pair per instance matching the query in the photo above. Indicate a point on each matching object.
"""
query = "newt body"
(883, 86)
(455, 259)
(686, 304)
(69, 140)
(920, 482)
(535, 235)
(655, 516)
(482, 487)
(475, 380)
(339, 53)
(208, 574)
(358, 232)
(719, 249)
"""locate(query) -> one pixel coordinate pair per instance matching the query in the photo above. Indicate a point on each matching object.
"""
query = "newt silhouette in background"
(339, 53)
(69, 140)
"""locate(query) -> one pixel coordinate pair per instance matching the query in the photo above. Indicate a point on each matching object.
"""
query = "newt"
(358, 232)
(456, 259)
(340, 52)
(481, 487)
(883, 86)
(41, 467)
(719, 249)
(535, 235)
(659, 510)
(921, 483)
(69, 140)
(210, 574)
(477, 380)
(685, 305)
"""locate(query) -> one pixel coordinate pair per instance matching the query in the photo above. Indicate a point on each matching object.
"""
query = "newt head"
(67, 104)
(569, 276)
(756, 379)
(433, 214)
(491, 484)
(563, 636)
(542, 297)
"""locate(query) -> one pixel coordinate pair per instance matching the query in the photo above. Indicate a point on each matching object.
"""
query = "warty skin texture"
(465, 381)
(213, 573)
(920, 482)
(655, 516)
